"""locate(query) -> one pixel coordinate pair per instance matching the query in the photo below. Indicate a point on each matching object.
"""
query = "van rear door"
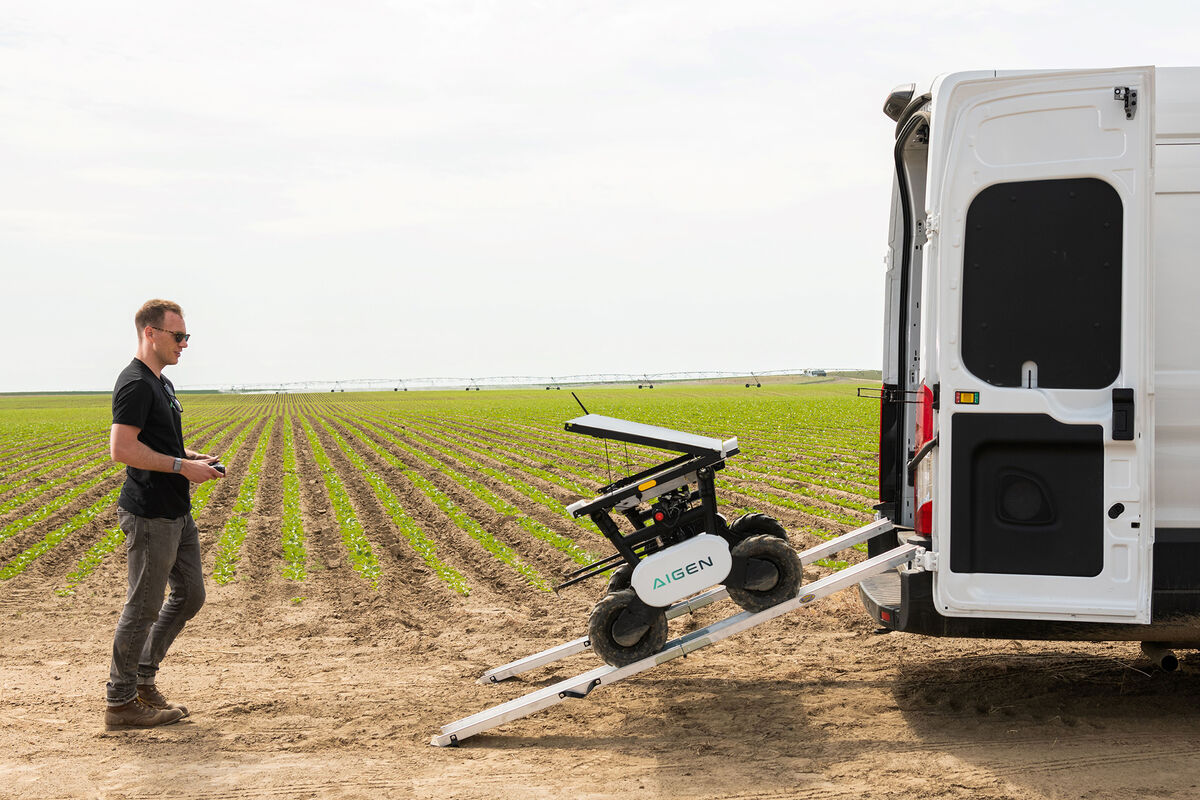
(1040, 204)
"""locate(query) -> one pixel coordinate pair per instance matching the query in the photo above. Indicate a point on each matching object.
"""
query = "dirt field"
(338, 695)
(327, 688)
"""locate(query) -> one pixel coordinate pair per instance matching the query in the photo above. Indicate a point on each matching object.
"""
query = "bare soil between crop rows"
(328, 688)
(338, 694)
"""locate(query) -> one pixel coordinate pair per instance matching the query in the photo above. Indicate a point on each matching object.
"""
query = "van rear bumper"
(903, 601)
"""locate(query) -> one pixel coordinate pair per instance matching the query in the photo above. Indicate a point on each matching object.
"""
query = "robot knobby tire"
(766, 571)
(620, 578)
(755, 524)
(623, 629)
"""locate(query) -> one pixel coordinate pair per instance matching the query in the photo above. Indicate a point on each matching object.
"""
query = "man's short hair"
(152, 313)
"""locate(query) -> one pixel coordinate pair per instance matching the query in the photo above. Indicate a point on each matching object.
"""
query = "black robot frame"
(677, 511)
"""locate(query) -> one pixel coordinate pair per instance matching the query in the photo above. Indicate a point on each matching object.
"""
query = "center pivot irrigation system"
(680, 556)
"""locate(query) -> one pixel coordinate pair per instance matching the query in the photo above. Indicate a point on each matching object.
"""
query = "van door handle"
(925, 450)
(1122, 415)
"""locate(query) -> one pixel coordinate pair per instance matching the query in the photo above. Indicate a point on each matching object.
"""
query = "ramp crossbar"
(575, 646)
(582, 685)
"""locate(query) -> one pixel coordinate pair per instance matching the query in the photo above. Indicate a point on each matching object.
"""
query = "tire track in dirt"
(17, 597)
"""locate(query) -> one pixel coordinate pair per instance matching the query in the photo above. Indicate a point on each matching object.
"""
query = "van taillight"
(924, 416)
(923, 480)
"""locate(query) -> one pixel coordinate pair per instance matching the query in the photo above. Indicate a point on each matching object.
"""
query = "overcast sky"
(406, 189)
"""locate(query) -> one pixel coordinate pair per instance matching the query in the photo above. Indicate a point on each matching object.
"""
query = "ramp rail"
(582, 685)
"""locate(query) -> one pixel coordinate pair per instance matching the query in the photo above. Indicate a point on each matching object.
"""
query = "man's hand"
(125, 447)
(198, 471)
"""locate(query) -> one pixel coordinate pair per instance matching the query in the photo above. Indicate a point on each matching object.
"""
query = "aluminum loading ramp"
(580, 686)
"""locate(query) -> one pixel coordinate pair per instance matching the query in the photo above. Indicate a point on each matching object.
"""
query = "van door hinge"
(927, 560)
(923, 561)
(1128, 97)
(931, 224)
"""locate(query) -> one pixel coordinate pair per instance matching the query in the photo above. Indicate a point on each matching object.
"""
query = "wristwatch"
(177, 465)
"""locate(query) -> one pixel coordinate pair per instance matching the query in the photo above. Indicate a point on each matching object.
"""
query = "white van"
(1040, 428)
(1039, 470)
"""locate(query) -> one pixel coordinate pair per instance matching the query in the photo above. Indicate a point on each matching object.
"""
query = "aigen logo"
(682, 572)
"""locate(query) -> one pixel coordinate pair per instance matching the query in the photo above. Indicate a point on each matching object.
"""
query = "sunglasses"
(180, 338)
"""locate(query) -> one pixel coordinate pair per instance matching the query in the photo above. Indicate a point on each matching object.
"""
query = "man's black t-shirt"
(145, 401)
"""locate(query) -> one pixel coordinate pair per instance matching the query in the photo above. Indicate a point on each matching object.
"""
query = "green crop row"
(204, 491)
(847, 503)
(801, 473)
(39, 489)
(18, 525)
(34, 470)
(523, 487)
(492, 450)
(822, 496)
(420, 541)
(358, 549)
(29, 455)
(454, 452)
(294, 555)
(531, 526)
(464, 522)
(784, 502)
(18, 564)
(229, 545)
(586, 451)
(498, 549)
(94, 556)
(459, 434)
(113, 537)
(537, 462)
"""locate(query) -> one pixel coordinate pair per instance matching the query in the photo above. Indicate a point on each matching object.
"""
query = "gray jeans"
(160, 552)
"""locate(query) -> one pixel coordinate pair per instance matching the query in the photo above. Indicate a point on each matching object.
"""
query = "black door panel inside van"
(1042, 284)
(1026, 496)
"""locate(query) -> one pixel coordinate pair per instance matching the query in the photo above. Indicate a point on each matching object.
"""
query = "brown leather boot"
(149, 694)
(136, 714)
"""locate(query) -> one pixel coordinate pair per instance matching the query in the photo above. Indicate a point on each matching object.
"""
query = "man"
(154, 510)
